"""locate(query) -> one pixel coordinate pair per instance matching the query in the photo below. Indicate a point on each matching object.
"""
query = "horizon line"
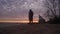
(18, 21)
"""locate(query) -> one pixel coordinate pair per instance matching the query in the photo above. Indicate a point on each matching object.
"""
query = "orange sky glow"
(17, 21)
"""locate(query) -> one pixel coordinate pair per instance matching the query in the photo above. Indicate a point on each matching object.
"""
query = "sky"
(18, 9)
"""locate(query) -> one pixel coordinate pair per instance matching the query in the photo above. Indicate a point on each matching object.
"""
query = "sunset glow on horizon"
(18, 21)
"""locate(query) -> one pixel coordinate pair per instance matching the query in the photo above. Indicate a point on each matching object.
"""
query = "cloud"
(19, 8)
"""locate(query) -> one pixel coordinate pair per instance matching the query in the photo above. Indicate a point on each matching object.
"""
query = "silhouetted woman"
(30, 16)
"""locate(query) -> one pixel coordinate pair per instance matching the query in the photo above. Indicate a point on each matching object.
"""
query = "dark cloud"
(19, 8)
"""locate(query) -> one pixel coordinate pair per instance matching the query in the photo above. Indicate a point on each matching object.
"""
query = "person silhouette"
(41, 20)
(30, 16)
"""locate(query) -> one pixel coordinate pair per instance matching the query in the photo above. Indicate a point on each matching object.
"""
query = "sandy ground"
(29, 28)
